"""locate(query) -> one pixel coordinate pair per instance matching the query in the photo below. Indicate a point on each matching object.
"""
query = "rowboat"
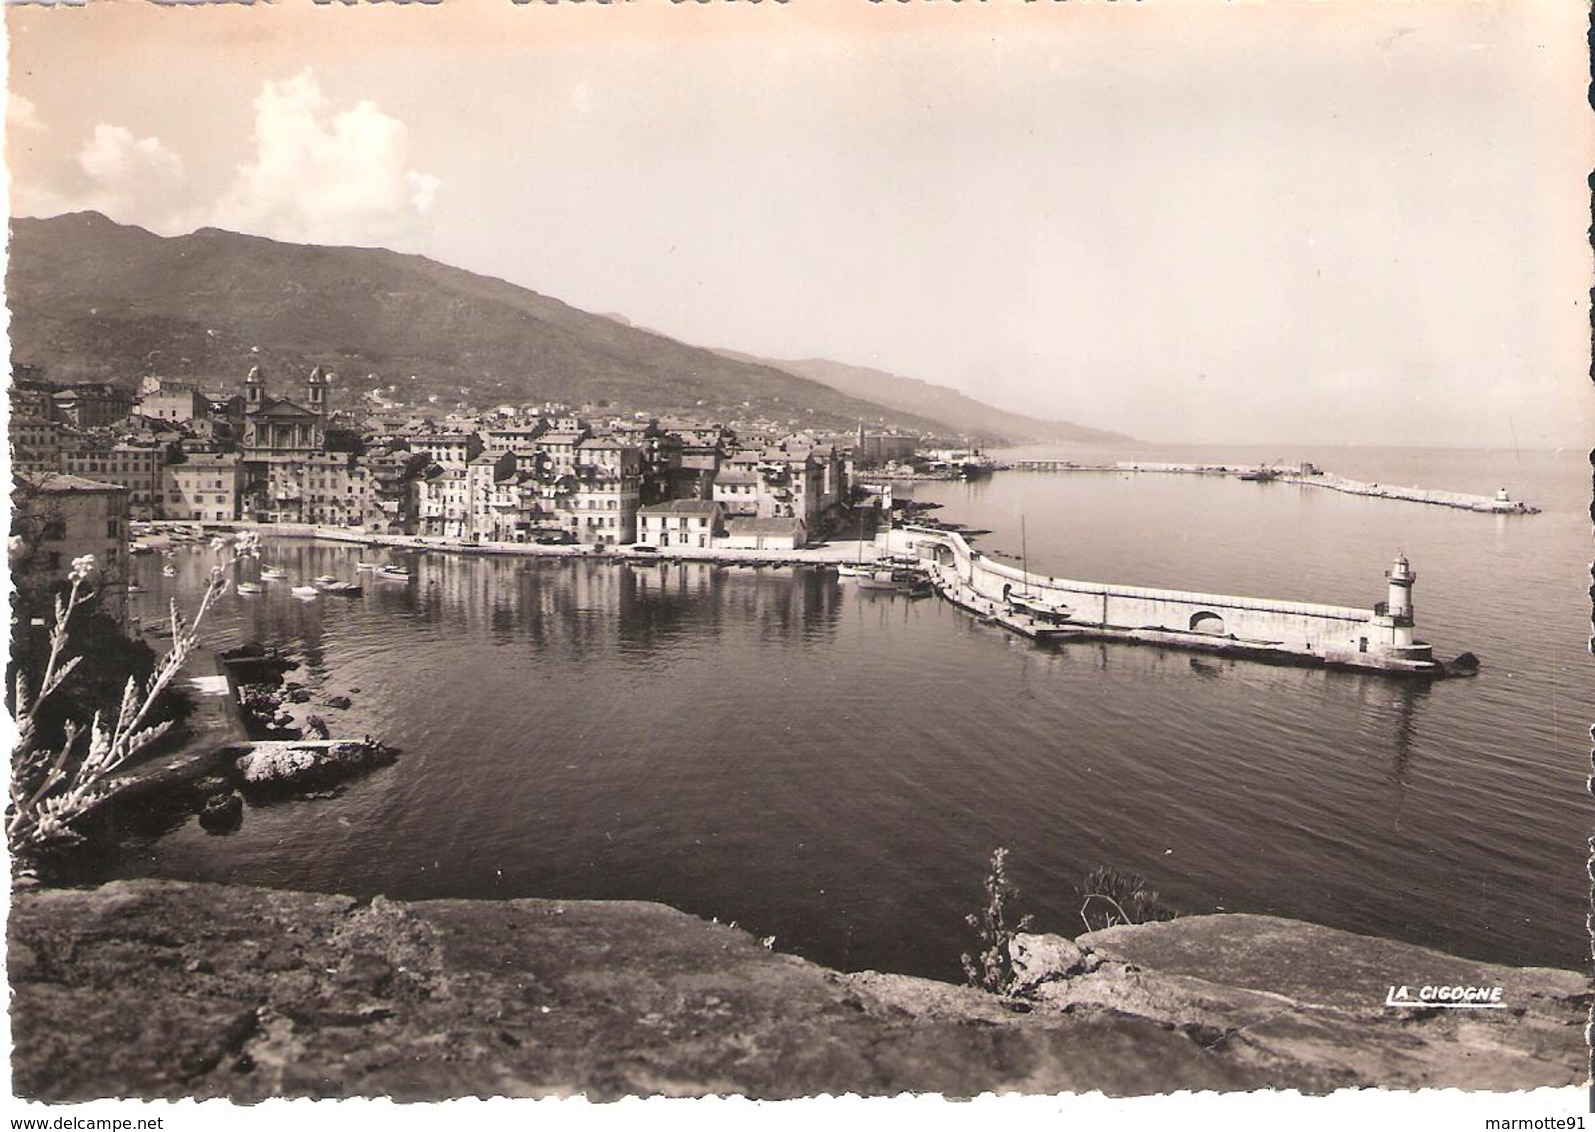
(305, 592)
(250, 589)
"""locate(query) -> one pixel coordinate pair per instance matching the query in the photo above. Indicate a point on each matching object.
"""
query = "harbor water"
(833, 768)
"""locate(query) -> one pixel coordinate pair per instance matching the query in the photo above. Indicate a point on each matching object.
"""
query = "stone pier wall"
(1336, 634)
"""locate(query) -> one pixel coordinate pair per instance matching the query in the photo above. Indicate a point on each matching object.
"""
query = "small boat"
(325, 580)
(368, 565)
(909, 583)
(169, 571)
(399, 573)
(343, 589)
(138, 546)
(250, 589)
(305, 592)
(849, 570)
(273, 573)
(1038, 608)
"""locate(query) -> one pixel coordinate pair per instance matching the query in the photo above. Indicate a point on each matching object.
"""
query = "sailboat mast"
(1024, 554)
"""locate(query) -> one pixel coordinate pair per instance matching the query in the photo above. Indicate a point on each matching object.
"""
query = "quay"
(1302, 475)
(825, 554)
(1041, 608)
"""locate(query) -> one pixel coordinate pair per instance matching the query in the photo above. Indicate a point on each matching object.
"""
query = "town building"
(57, 518)
(206, 487)
(680, 523)
(603, 507)
(175, 401)
(135, 467)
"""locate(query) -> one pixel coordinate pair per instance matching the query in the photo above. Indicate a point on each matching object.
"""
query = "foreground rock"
(160, 989)
(307, 763)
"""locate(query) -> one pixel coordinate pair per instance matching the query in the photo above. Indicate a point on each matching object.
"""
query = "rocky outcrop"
(161, 989)
(306, 764)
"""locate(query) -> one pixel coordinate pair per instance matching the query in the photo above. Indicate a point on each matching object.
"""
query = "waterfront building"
(390, 498)
(608, 478)
(765, 534)
(692, 523)
(493, 495)
(205, 487)
(443, 501)
(58, 517)
(336, 488)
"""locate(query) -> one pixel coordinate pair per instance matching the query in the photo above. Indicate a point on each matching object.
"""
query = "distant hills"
(92, 299)
(963, 415)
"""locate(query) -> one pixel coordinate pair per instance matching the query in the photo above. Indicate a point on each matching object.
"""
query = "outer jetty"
(1302, 475)
(1044, 608)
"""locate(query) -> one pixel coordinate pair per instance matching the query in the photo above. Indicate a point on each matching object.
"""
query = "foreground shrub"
(992, 968)
(1114, 897)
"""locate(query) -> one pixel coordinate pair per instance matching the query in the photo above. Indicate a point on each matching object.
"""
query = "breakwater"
(1046, 608)
(1302, 475)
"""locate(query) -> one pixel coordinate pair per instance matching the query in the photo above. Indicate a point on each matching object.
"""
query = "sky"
(1194, 222)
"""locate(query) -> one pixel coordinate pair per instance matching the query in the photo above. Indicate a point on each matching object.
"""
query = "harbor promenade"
(828, 553)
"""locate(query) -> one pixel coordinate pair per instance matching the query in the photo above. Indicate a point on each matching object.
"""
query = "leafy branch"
(53, 789)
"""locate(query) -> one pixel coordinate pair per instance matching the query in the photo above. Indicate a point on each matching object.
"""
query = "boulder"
(301, 765)
(343, 703)
(1041, 959)
(222, 812)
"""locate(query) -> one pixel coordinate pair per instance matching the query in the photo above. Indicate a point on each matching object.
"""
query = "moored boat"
(305, 591)
(249, 589)
(272, 573)
(343, 589)
(399, 573)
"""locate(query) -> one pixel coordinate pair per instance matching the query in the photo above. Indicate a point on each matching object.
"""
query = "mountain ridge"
(92, 299)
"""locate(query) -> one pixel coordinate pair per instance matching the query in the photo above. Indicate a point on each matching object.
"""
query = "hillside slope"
(962, 415)
(95, 300)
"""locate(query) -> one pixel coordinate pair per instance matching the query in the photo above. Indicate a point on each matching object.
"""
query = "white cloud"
(325, 176)
(120, 163)
(128, 178)
(22, 116)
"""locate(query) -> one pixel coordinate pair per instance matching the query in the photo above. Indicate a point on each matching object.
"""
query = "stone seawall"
(1303, 631)
(158, 989)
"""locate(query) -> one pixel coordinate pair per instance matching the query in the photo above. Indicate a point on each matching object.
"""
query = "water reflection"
(775, 747)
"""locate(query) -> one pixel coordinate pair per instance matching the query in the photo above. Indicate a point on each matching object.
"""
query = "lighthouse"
(1401, 575)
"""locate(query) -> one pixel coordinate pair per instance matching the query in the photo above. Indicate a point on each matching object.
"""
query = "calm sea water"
(833, 769)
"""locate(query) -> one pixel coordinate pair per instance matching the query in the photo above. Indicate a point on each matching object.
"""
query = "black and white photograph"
(1024, 553)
